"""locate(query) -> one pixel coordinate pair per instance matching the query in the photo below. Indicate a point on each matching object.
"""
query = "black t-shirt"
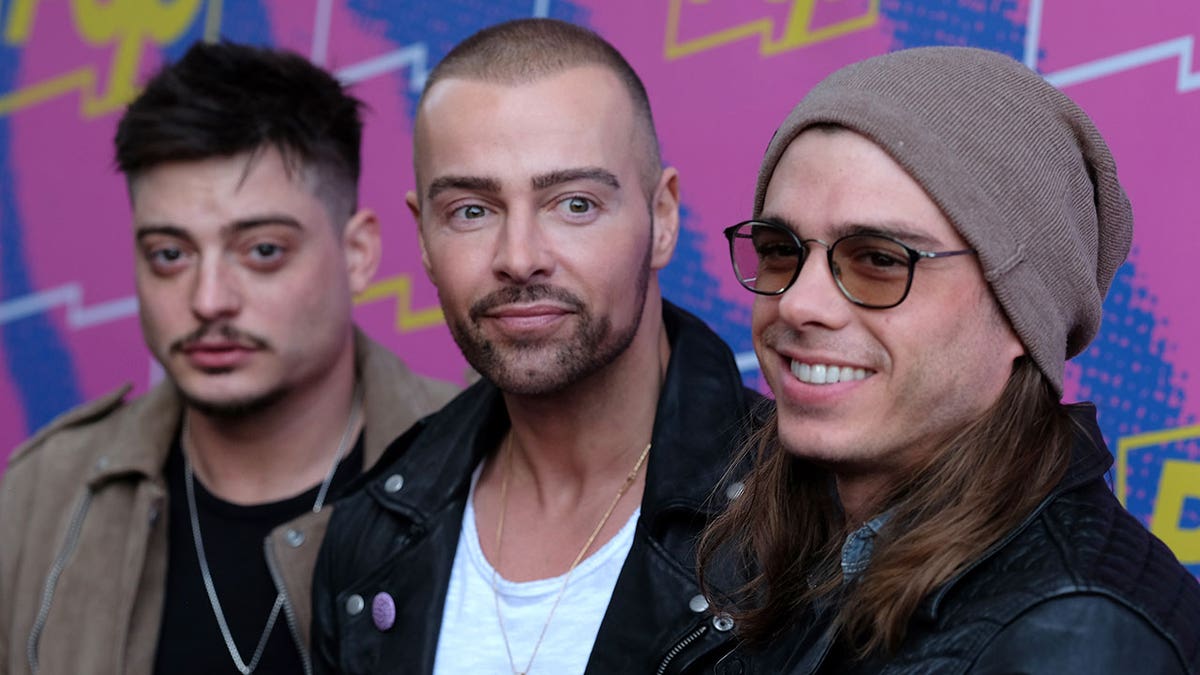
(190, 640)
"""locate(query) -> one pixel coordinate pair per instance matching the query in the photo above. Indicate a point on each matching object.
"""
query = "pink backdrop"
(721, 75)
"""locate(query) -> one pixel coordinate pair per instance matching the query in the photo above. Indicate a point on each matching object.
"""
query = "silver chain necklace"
(243, 667)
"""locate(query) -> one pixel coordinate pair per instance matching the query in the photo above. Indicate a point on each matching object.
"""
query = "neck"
(281, 451)
(590, 434)
(859, 495)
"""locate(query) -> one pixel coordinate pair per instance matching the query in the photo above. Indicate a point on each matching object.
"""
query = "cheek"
(161, 304)
(764, 312)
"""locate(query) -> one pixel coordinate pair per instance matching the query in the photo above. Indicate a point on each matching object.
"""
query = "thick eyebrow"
(470, 183)
(151, 229)
(546, 180)
(896, 230)
(235, 227)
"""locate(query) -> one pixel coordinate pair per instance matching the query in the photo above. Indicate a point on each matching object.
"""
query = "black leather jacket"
(1079, 587)
(399, 534)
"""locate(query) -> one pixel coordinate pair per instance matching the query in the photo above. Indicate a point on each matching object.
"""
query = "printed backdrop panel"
(721, 74)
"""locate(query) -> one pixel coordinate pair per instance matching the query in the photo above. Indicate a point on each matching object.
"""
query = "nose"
(524, 251)
(216, 293)
(815, 299)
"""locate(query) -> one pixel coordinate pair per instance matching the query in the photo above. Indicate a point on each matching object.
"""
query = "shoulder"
(1081, 550)
(394, 397)
(1081, 633)
(421, 465)
(415, 491)
(384, 371)
(74, 423)
(45, 473)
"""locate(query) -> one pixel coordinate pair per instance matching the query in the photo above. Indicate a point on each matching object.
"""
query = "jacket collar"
(139, 440)
(700, 416)
(1090, 459)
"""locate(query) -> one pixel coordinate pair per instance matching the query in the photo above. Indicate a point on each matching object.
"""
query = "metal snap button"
(294, 538)
(723, 623)
(734, 490)
(698, 603)
(393, 483)
(355, 604)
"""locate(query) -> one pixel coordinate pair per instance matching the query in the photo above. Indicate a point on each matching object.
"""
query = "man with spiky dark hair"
(177, 533)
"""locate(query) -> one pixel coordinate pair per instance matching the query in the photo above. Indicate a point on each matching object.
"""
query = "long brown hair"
(786, 529)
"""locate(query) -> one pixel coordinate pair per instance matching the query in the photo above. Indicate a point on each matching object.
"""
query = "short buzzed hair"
(525, 50)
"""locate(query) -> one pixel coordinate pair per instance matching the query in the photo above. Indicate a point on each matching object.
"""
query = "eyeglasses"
(872, 270)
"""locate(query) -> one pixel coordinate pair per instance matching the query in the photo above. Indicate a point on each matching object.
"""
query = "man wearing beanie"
(934, 232)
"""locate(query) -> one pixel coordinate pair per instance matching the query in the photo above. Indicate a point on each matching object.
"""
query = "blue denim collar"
(856, 552)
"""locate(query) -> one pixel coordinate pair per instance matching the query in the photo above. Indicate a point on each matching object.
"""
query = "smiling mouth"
(821, 373)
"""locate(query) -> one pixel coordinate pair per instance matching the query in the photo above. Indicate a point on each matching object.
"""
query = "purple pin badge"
(383, 611)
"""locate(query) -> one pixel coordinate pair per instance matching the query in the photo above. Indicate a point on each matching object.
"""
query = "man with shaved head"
(545, 520)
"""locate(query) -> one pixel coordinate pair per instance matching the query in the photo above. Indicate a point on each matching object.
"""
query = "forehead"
(829, 180)
(216, 191)
(578, 117)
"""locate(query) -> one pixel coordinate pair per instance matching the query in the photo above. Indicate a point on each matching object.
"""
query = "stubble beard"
(592, 346)
(235, 409)
(227, 409)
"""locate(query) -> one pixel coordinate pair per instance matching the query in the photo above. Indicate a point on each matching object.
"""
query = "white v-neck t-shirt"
(470, 640)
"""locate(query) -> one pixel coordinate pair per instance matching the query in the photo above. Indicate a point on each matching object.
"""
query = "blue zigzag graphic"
(36, 357)
(686, 283)
(244, 21)
(920, 23)
(438, 26)
(1126, 372)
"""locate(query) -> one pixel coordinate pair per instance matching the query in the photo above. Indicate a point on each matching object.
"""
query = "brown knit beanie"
(1018, 169)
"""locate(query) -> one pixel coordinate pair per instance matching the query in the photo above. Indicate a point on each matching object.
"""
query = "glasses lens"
(765, 257)
(874, 271)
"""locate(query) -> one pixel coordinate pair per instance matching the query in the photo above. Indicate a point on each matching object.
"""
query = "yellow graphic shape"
(797, 32)
(125, 24)
(19, 22)
(400, 288)
(1180, 480)
(1129, 444)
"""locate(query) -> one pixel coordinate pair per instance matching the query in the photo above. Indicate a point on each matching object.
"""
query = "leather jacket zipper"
(56, 570)
(289, 612)
(692, 637)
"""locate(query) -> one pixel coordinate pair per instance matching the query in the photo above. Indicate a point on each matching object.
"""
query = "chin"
(231, 405)
(804, 438)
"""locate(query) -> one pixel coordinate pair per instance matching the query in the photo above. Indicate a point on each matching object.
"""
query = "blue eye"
(471, 211)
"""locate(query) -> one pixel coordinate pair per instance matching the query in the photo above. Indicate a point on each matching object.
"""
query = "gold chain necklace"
(637, 467)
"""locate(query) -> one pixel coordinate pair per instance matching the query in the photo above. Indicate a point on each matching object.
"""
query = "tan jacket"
(83, 537)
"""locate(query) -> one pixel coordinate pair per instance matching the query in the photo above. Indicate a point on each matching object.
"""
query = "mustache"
(223, 331)
(524, 294)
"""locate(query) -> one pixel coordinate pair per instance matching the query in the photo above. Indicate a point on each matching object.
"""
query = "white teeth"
(820, 373)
